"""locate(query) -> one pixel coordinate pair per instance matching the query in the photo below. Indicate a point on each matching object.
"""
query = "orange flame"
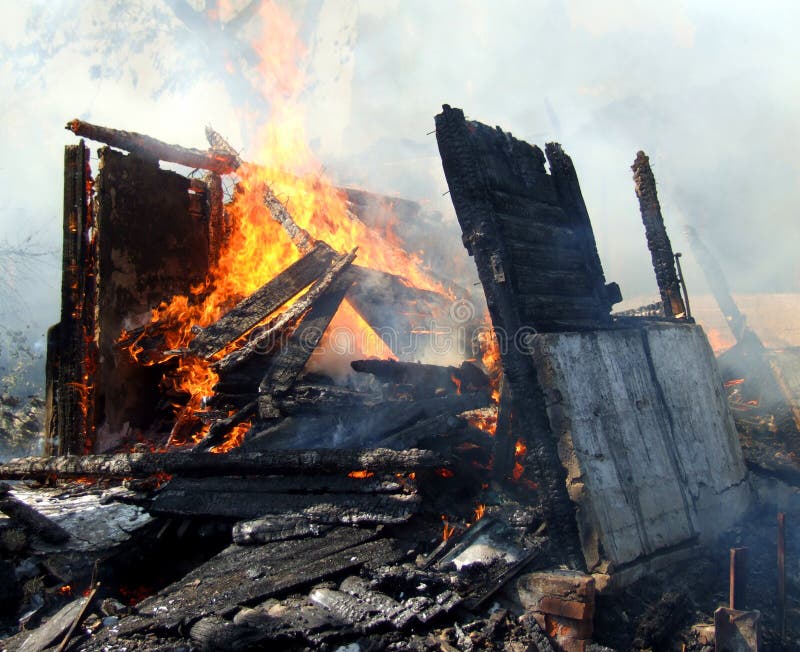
(447, 529)
(480, 510)
(360, 474)
(259, 248)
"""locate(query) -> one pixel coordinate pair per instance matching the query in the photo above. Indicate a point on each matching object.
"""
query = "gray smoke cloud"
(706, 89)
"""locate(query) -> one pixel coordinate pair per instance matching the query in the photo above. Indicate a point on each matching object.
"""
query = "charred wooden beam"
(234, 498)
(657, 239)
(361, 428)
(139, 465)
(218, 430)
(284, 367)
(305, 399)
(263, 302)
(73, 383)
(148, 147)
(719, 287)
(227, 581)
(468, 377)
(265, 340)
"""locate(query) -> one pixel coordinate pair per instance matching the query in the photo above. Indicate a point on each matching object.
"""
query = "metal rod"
(738, 580)
(782, 573)
(682, 281)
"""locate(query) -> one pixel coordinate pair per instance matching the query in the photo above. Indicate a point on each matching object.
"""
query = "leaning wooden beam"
(140, 465)
(263, 302)
(218, 430)
(285, 319)
(219, 162)
(657, 239)
(719, 287)
(30, 519)
(284, 367)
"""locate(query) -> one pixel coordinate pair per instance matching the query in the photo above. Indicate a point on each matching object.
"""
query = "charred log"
(657, 239)
(139, 465)
(148, 147)
(425, 378)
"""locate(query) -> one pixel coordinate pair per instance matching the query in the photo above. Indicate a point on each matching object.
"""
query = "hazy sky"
(708, 89)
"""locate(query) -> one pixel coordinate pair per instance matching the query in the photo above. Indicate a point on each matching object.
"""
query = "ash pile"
(214, 481)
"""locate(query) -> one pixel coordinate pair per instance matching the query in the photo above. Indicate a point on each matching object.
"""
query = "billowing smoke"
(704, 88)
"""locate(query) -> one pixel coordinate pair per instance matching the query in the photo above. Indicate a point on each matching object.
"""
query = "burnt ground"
(658, 611)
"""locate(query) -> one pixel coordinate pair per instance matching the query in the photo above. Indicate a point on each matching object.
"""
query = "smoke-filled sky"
(708, 89)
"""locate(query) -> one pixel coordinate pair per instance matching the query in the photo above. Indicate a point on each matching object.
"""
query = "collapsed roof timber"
(446, 509)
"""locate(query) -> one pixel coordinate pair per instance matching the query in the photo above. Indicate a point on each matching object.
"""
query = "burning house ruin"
(215, 460)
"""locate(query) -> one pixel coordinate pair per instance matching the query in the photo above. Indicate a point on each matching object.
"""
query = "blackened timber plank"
(288, 484)
(244, 576)
(549, 282)
(264, 301)
(274, 329)
(285, 366)
(529, 228)
(536, 258)
(138, 465)
(192, 498)
(361, 428)
(505, 205)
(31, 519)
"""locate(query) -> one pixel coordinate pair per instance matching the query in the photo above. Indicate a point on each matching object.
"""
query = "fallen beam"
(284, 367)
(263, 302)
(265, 339)
(140, 465)
(149, 147)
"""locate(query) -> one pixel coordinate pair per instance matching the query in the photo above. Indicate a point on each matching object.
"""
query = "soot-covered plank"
(264, 301)
(245, 576)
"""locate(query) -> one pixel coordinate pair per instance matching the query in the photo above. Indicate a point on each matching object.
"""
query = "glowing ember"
(360, 474)
(480, 510)
(444, 473)
(65, 590)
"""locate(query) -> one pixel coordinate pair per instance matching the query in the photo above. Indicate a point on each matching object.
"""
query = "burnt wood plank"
(284, 367)
(425, 376)
(360, 428)
(263, 302)
(238, 500)
(266, 339)
(268, 529)
(248, 575)
(138, 465)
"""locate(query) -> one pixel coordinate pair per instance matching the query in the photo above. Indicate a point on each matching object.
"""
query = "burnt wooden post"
(657, 239)
(71, 346)
(533, 245)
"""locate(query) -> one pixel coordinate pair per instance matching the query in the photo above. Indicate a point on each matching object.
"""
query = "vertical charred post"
(657, 239)
(71, 346)
(507, 207)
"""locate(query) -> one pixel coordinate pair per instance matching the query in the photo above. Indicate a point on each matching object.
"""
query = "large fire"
(259, 248)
